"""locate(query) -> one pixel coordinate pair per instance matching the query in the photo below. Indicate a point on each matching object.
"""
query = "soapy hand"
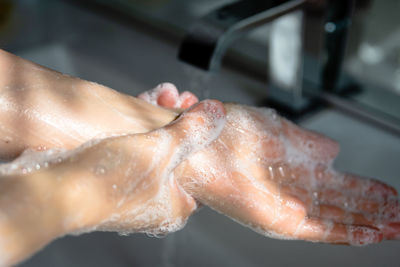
(278, 179)
(262, 170)
(136, 172)
(123, 184)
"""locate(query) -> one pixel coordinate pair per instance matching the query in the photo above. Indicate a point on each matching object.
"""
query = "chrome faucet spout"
(306, 48)
(208, 40)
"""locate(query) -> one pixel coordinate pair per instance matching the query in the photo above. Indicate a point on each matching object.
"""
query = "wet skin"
(261, 170)
(124, 183)
(278, 179)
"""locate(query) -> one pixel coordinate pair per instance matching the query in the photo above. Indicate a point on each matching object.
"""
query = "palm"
(278, 179)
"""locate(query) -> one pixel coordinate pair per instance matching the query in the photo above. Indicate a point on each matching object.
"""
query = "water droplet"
(271, 172)
(149, 234)
(123, 233)
(59, 159)
(281, 171)
(14, 166)
(114, 186)
(37, 166)
(273, 115)
(46, 164)
(41, 148)
(315, 194)
(26, 170)
(346, 205)
(158, 235)
(100, 170)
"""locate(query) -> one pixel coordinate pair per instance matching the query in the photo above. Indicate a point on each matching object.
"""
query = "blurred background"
(332, 66)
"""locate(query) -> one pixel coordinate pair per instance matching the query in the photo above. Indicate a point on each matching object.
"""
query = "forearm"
(41, 108)
(29, 216)
(116, 184)
(22, 235)
(41, 204)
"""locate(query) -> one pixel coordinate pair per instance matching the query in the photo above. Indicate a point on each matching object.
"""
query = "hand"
(136, 172)
(123, 184)
(278, 179)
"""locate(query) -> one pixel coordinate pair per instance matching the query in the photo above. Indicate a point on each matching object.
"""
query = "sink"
(130, 60)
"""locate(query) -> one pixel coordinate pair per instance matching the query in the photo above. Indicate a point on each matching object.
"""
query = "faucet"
(318, 27)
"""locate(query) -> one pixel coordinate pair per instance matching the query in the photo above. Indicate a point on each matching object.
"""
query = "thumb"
(194, 129)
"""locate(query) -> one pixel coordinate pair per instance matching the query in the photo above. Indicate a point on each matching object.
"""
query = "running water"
(197, 81)
(169, 251)
(175, 248)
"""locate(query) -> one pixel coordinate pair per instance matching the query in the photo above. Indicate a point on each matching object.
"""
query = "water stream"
(196, 81)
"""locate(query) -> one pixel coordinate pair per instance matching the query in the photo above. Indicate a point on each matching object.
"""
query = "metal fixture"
(319, 55)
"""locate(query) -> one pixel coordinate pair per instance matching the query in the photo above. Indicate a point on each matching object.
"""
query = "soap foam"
(369, 235)
(156, 216)
(151, 96)
(142, 218)
(31, 160)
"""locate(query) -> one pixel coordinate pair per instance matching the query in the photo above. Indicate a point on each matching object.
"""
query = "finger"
(168, 96)
(353, 184)
(187, 99)
(371, 205)
(344, 189)
(339, 215)
(330, 223)
(195, 128)
(164, 95)
(366, 187)
(358, 194)
(316, 207)
(391, 231)
(376, 210)
(322, 230)
(333, 204)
